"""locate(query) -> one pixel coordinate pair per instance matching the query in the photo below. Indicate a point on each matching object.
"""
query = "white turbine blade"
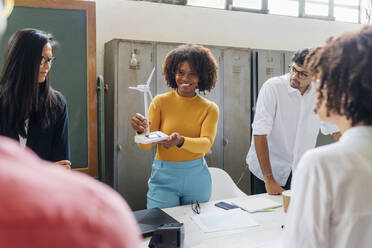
(136, 88)
(148, 91)
(150, 77)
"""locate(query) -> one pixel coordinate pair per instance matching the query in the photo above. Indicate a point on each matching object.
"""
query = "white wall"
(170, 23)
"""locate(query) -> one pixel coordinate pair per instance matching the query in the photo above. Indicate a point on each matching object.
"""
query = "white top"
(291, 126)
(331, 203)
(22, 140)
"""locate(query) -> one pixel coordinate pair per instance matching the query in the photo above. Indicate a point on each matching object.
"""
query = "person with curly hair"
(331, 204)
(284, 127)
(45, 206)
(31, 112)
(180, 173)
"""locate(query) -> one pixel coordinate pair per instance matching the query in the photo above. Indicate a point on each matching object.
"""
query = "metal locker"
(131, 166)
(162, 50)
(269, 64)
(237, 112)
(287, 61)
(110, 74)
(214, 157)
(134, 164)
(265, 65)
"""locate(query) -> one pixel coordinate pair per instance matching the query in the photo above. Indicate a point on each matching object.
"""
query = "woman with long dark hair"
(30, 110)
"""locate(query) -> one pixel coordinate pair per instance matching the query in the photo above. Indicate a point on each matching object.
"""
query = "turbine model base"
(151, 138)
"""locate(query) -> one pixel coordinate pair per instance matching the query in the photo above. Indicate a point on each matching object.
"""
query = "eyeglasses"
(301, 74)
(45, 59)
(195, 207)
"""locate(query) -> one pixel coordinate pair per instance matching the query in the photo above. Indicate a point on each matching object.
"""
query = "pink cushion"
(45, 205)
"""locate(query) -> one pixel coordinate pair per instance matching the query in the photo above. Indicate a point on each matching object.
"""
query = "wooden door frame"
(90, 8)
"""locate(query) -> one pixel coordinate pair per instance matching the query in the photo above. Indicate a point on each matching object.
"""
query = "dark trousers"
(258, 186)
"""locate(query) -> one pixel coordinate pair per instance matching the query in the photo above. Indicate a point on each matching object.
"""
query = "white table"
(266, 235)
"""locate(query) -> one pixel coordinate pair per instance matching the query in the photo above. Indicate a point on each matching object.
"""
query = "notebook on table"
(257, 204)
(150, 219)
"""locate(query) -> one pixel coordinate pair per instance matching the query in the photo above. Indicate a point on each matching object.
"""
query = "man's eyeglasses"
(45, 59)
(301, 74)
(195, 207)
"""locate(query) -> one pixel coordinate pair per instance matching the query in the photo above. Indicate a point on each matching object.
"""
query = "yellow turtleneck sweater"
(194, 118)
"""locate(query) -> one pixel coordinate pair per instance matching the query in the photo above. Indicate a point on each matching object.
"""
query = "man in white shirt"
(284, 127)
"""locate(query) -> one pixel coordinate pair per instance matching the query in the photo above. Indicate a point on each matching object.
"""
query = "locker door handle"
(120, 147)
(107, 87)
(225, 141)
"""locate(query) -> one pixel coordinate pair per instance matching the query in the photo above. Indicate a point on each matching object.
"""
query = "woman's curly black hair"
(201, 61)
(344, 68)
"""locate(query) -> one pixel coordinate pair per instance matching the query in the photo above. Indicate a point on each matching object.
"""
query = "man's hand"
(262, 150)
(174, 140)
(272, 187)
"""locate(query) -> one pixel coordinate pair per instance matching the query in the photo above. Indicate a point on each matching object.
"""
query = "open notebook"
(255, 204)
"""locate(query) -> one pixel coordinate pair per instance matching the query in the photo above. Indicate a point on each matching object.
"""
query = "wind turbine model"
(148, 137)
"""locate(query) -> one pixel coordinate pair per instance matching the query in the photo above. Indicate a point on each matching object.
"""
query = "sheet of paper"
(200, 246)
(271, 244)
(256, 204)
(223, 221)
